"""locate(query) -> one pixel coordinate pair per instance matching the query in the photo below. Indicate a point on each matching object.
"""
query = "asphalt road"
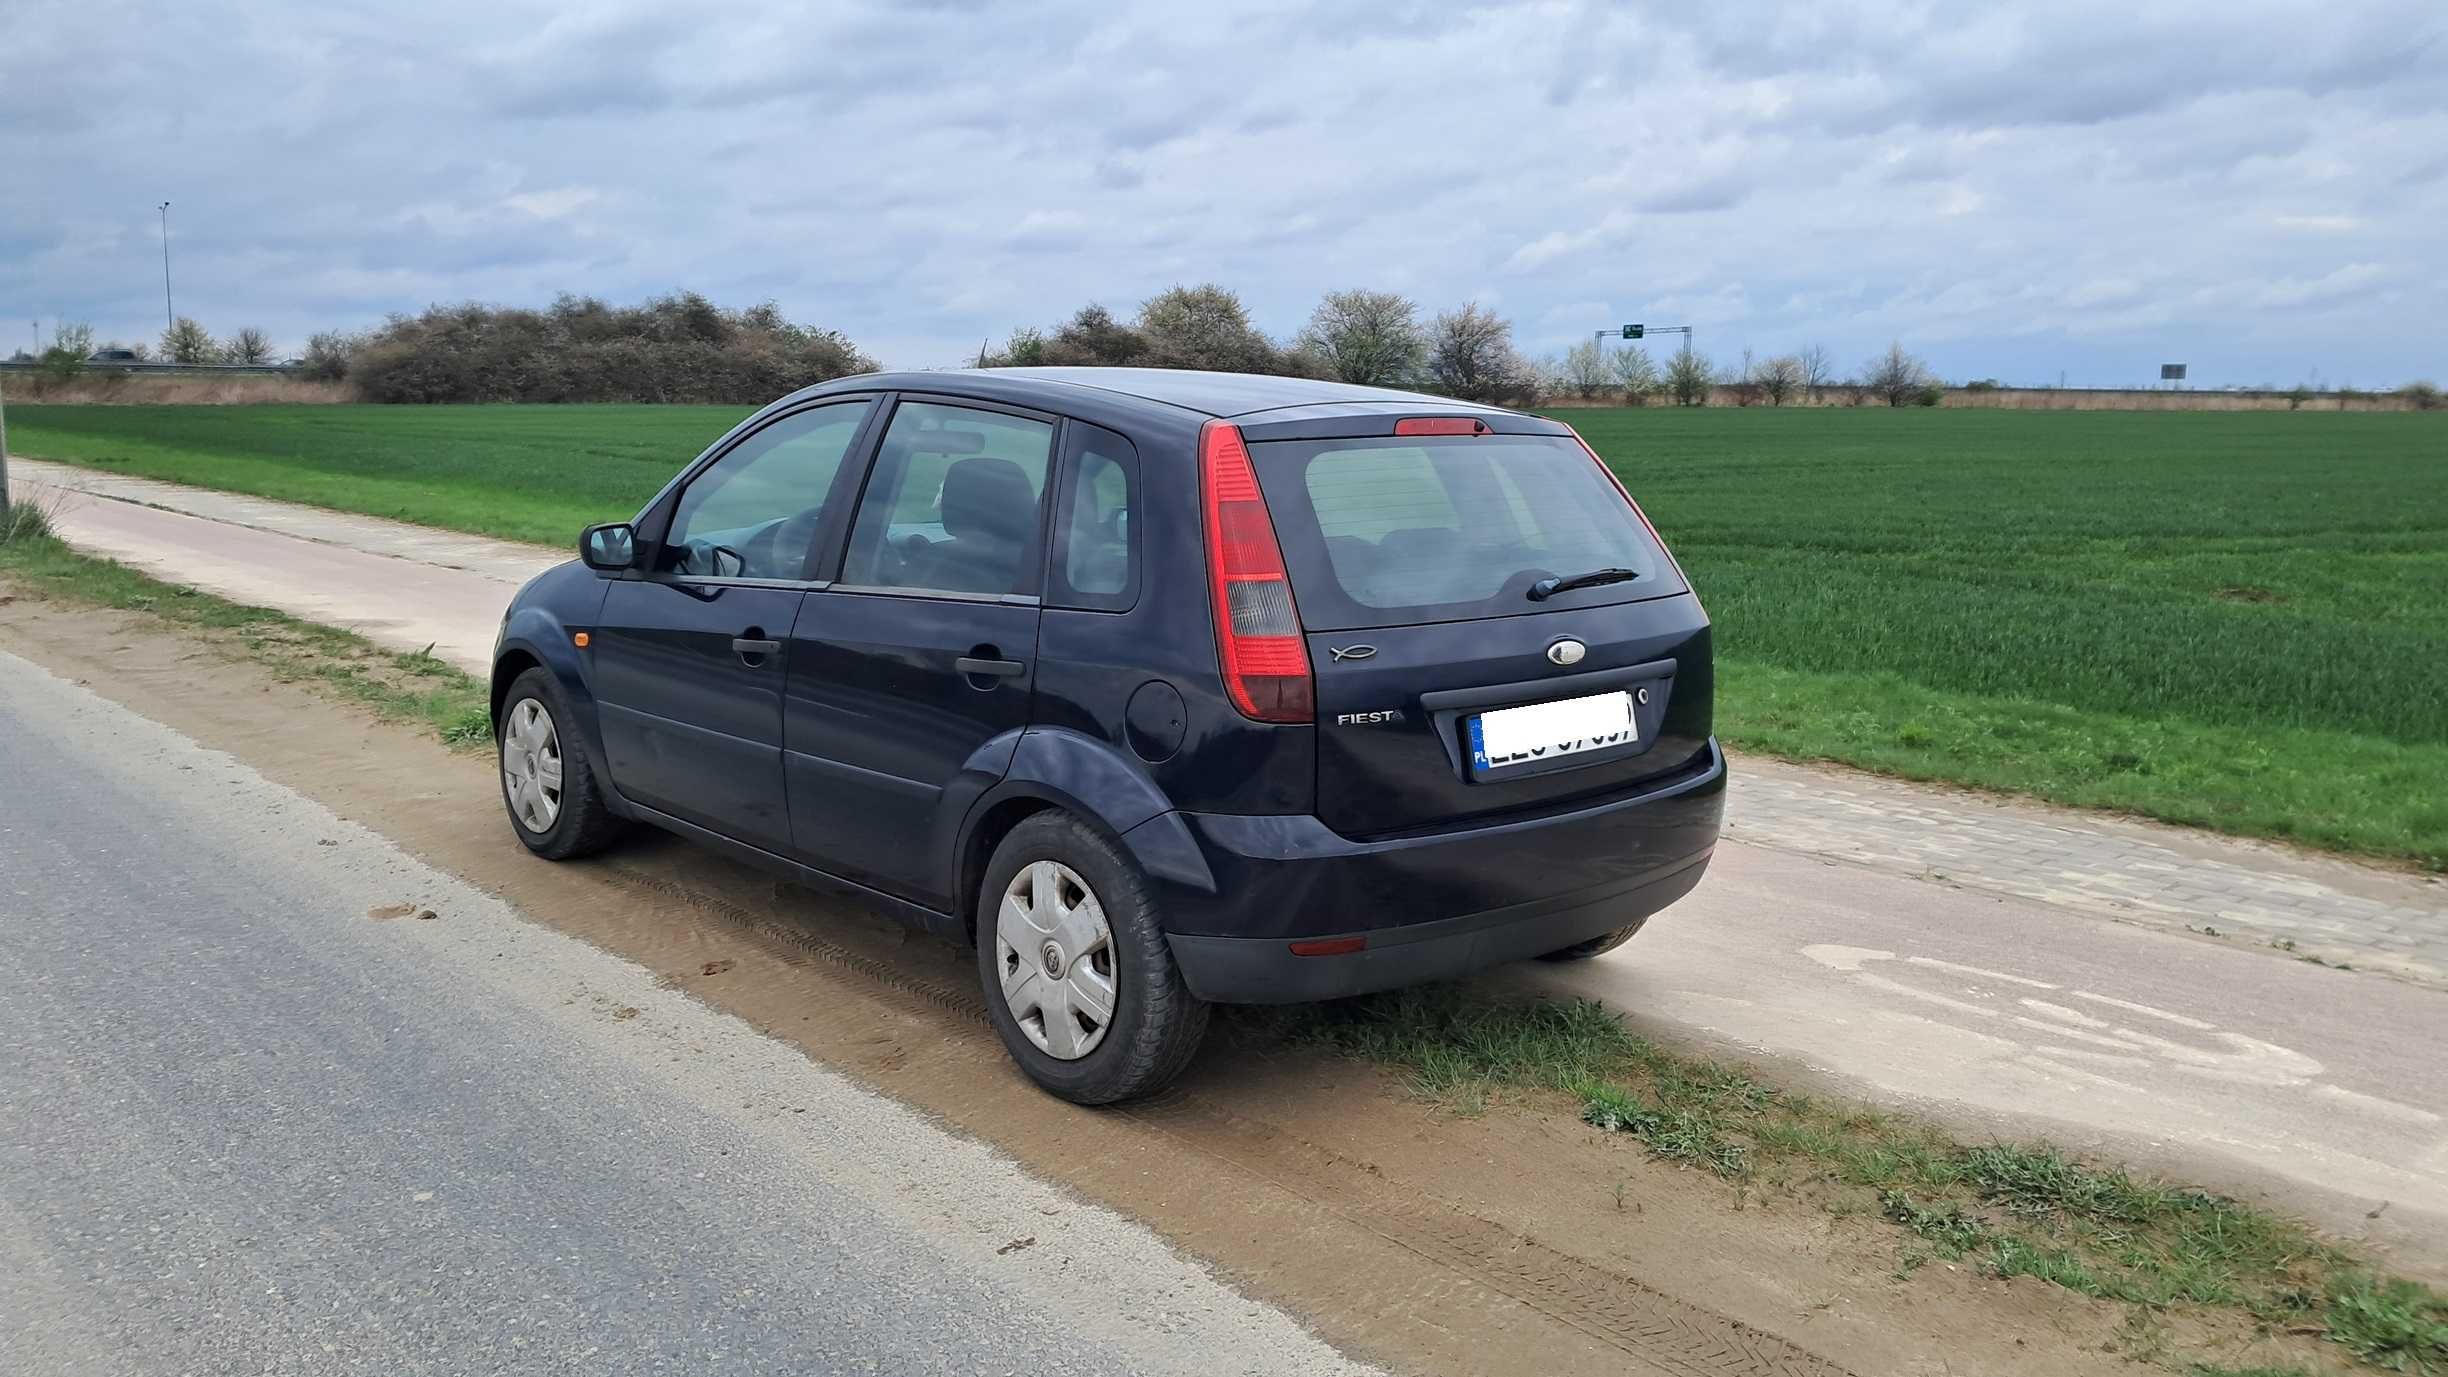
(252, 1121)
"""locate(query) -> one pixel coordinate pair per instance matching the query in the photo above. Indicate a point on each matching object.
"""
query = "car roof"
(1209, 394)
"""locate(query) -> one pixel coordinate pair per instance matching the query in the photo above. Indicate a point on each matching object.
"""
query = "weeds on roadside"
(402, 687)
(24, 522)
(2010, 1209)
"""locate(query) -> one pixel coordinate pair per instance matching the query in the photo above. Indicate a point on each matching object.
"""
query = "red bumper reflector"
(1332, 946)
(1441, 425)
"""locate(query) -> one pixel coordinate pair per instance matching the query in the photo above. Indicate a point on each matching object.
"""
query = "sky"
(2076, 191)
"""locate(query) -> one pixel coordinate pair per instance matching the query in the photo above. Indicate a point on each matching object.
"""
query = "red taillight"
(1441, 425)
(1258, 631)
(1636, 508)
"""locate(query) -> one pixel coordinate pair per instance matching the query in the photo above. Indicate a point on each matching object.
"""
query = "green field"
(522, 472)
(2236, 620)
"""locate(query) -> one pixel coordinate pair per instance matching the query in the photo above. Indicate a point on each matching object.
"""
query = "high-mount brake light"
(1259, 645)
(1441, 425)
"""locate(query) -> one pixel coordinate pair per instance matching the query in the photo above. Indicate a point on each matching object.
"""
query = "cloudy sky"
(2014, 190)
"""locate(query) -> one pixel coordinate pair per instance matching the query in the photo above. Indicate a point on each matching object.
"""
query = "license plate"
(1511, 737)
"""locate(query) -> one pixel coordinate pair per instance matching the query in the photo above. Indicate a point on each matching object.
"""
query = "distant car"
(1162, 688)
(114, 356)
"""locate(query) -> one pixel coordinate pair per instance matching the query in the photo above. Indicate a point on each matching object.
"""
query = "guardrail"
(93, 369)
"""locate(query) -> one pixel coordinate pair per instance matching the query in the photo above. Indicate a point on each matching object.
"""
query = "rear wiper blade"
(1547, 588)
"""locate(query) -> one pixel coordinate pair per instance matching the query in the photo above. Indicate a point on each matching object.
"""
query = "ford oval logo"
(1567, 651)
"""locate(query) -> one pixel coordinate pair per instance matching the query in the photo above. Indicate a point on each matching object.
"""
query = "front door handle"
(752, 650)
(976, 668)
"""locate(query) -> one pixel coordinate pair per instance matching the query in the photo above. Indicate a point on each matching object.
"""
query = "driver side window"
(753, 513)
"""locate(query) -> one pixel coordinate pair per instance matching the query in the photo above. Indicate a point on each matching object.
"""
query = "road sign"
(2171, 372)
(1634, 331)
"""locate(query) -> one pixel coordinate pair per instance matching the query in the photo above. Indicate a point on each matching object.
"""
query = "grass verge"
(399, 687)
(2008, 1209)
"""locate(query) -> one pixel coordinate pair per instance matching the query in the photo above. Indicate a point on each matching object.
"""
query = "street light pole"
(169, 316)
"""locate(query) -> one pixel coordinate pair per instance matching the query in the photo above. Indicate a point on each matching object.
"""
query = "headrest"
(988, 499)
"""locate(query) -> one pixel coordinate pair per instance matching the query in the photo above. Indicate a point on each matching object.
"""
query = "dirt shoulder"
(1513, 1240)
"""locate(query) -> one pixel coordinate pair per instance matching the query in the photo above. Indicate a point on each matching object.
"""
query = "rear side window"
(1096, 561)
(1386, 532)
(951, 504)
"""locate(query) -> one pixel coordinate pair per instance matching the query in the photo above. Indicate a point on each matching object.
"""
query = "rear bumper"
(1429, 908)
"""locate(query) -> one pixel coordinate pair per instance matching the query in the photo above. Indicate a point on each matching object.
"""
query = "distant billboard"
(2171, 372)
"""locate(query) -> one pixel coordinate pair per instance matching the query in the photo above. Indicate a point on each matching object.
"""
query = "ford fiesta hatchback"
(1164, 689)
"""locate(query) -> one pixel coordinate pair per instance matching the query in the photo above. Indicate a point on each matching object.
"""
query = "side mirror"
(610, 547)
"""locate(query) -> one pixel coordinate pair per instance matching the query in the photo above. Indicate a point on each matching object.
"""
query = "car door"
(915, 667)
(690, 656)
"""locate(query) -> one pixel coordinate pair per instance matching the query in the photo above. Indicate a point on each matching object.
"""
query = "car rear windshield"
(1391, 532)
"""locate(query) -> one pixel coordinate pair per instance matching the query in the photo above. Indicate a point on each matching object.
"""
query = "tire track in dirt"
(1672, 1335)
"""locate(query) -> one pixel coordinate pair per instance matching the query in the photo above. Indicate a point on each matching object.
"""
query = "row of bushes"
(679, 348)
(1375, 338)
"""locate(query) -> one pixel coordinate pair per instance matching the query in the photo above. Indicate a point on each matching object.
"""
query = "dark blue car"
(1162, 688)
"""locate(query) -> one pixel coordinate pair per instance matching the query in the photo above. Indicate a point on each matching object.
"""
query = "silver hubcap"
(1055, 953)
(531, 765)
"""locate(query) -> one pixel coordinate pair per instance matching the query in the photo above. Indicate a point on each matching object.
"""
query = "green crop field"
(2236, 620)
(521, 472)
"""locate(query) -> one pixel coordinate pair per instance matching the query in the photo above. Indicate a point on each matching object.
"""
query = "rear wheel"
(1079, 980)
(548, 781)
(1597, 946)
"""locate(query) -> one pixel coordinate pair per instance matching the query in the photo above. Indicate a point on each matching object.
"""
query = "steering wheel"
(781, 549)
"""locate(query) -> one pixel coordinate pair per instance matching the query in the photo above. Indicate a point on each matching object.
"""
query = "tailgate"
(1397, 708)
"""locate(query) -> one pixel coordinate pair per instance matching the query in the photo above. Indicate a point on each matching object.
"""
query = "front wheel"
(548, 781)
(1079, 979)
(1596, 946)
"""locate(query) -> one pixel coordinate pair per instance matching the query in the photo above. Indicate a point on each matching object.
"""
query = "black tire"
(585, 824)
(1596, 946)
(1157, 1023)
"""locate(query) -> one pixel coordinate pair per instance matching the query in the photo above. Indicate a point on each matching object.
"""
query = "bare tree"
(1470, 356)
(1817, 369)
(1746, 383)
(1778, 378)
(1689, 377)
(1366, 337)
(187, 342)
(1584, 372)
(1896, 377)
(1636, 373)
(249, 346)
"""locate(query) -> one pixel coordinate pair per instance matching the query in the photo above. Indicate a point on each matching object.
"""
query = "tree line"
(684, 348)
(1376, 338)
(72, 347)
(1384, 339)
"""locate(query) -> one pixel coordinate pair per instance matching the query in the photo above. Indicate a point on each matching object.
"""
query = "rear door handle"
(750, 647)
(989, 669)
